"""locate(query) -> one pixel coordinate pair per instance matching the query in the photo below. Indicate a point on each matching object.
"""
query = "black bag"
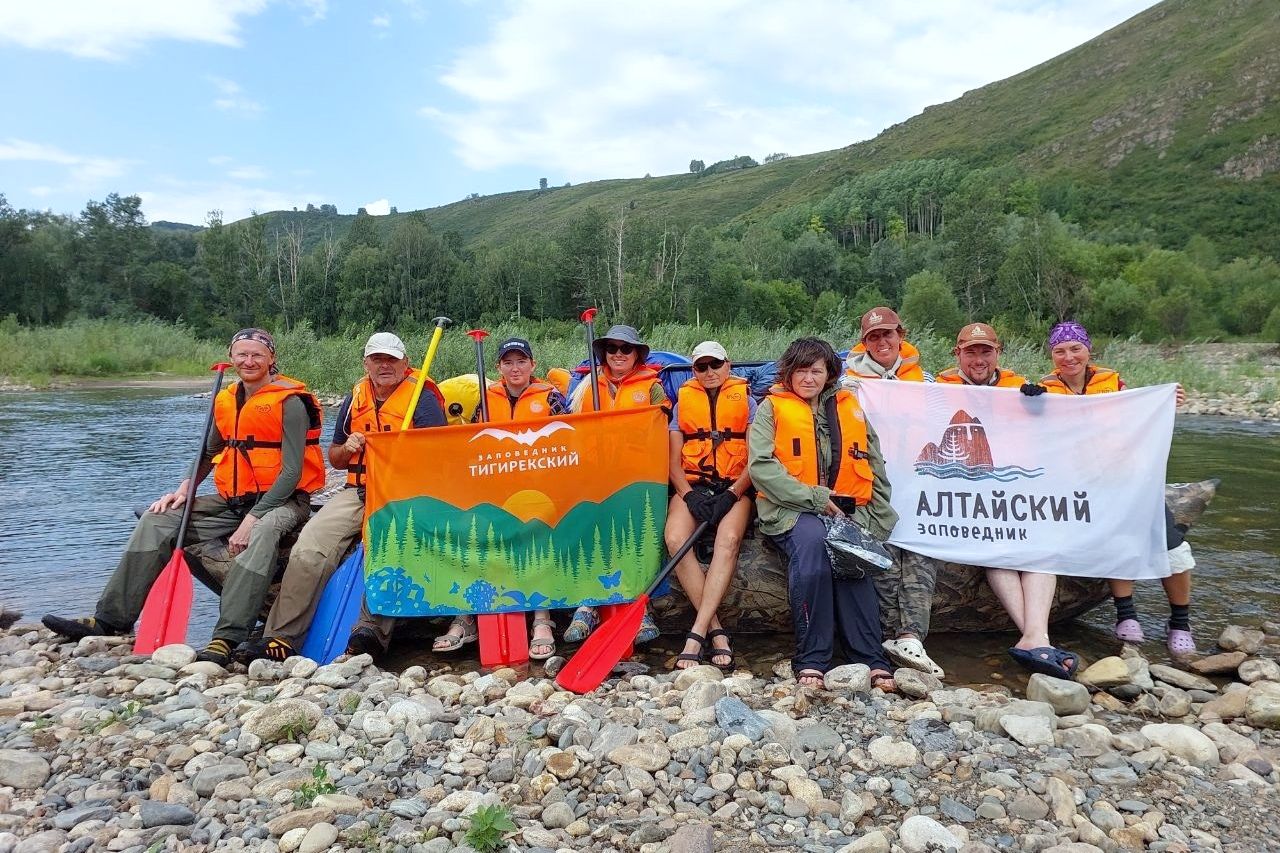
(853, 552)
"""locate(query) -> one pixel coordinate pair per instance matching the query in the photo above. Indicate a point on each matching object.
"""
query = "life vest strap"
(250, 443)
(713, 435)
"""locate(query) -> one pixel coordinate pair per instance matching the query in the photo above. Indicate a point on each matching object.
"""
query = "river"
(82, 460)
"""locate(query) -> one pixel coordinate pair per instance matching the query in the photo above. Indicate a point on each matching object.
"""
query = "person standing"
(265, 458)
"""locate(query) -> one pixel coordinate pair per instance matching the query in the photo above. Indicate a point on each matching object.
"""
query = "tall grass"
(331, 365)
(102, 348)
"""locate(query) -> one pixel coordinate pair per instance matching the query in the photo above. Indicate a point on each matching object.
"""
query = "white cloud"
(221, 160)
(110, 30)
(381, 207)
(190, 201)
(231, 97)
(81, 170)
(608, 90)
(313, 10)
(247, 173)
(381, 21)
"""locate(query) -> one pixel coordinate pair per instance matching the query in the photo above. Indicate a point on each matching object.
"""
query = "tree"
(814, 260)
(927, 301)
(697, 166)
(542, 183)
(775, 157)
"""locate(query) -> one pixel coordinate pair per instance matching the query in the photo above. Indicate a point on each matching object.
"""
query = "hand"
(699, 504)
(354, 443)
(1179, 396)
(832, 510)
(239, 540)
(1031, 389)
(722, 504)
(172, 500)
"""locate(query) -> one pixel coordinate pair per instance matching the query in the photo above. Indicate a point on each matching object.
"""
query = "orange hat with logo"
(977, 333)
(880, 318)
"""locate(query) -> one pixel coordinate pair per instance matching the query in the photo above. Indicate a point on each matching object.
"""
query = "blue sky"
(243, 105)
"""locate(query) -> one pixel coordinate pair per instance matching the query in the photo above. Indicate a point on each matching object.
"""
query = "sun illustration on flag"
(529, 504)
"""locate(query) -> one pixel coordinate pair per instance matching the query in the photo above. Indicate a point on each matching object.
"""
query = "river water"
(81, 461)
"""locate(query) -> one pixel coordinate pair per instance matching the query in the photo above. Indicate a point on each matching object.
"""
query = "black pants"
(823, 608)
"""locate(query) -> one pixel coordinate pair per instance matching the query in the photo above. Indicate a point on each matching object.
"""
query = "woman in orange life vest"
(906, 589)
(624, 383)
(882, 352)
(1075, 373)
(799, 476)
(709, 474)
(264, 452)
(520, 395)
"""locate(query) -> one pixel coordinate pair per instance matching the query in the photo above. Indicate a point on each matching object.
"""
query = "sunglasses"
(614, 349)
(709, 364)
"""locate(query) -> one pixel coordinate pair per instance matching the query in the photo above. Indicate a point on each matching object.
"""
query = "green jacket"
(782, 497)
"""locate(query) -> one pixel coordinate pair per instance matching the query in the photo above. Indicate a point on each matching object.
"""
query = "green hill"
(1168, 125)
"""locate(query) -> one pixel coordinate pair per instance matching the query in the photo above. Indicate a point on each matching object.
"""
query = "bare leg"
(1037, 598)
(724, 562)
(1120, 588)
(1007, 585)
(1178, 588)
(680, 526)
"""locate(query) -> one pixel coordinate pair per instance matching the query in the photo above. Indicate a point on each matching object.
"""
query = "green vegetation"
(318, 784)
(489, 826)
(1132, 183)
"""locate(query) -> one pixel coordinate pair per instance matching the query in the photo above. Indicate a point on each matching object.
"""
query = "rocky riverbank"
(101, 750)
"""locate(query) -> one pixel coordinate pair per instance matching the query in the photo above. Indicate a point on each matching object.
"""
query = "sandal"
(812, 676)
(585, 620)
(648, 629)
(548, 644)
(694, 659)
(881, 677)
(714, 652)
(450, 641)
(909, 652)
(1047, 660)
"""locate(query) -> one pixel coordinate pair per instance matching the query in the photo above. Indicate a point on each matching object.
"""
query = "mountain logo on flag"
(965, 452)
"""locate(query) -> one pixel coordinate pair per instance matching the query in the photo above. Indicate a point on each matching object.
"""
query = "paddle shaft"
(589, 321)
(478, 335)
(219, 369)
(677, 557)
(442, 323)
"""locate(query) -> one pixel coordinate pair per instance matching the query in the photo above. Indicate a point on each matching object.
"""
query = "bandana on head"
(1069, 331)
(261, 336)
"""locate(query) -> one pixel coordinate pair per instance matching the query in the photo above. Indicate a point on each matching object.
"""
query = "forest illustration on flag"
(515, 516)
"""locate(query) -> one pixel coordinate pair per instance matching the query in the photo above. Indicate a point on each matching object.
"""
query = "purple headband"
(261, 336)
(1069, 331)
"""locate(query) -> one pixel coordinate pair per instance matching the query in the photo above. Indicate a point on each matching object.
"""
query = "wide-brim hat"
(623, 335)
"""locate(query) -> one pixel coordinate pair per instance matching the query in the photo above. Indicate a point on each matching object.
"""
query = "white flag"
(1066, 484)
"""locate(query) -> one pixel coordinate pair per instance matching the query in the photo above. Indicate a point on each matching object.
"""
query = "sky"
(257, 105)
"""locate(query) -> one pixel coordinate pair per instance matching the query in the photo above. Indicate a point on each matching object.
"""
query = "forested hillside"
(1133, 182)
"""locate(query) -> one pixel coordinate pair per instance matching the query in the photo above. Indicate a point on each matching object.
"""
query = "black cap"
(511, 345)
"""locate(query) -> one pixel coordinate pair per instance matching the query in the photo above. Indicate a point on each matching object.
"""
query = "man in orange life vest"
(264, 452)
(519, 396)
(376, 404)
(977, 352)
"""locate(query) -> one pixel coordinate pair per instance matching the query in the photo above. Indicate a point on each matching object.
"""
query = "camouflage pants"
(906, 593)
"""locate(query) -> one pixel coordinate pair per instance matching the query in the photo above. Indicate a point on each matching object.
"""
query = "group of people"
(804, 452)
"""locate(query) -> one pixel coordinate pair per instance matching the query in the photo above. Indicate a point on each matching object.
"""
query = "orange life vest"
(559, 377)
(366, 415)
(254, 435)
(533, 402)
(715, 435)
(633, 391)
(1004, 378)
(795, 443)
(908, 371)
(1100, 380)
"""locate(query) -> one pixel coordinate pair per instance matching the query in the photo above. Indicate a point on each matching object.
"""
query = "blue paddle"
(337, 610)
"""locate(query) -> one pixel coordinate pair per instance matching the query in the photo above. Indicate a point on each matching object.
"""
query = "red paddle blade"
(607, 645)
(168, 608)
(504, 639)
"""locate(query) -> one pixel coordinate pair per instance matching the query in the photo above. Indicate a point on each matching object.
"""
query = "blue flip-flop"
(1047, 660)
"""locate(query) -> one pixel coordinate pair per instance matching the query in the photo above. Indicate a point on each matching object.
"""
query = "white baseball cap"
(709, 349)
(385, 343)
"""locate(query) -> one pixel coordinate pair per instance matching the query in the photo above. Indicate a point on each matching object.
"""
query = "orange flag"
(489, 518)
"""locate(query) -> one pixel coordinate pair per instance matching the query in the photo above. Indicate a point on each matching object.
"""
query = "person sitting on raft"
(812, 453)
(1075, 373)
(906, 589)
(977, 352)
(882, 352)
(264, 452)
(624, 382)
(377, 403)
(518, 396)
(709, 474)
